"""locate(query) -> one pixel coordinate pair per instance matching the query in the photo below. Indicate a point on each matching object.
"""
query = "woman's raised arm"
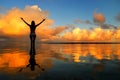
(25, 21)
(40, 22)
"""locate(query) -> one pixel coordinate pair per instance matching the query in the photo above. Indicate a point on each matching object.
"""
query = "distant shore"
(82, 42)
(51, 42)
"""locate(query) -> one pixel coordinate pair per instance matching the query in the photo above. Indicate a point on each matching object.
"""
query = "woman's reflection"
(32, 63)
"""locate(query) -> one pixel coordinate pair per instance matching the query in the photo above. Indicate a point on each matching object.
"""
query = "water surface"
(60, 61)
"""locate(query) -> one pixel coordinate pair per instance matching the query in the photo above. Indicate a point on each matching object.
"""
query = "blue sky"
(64, 12)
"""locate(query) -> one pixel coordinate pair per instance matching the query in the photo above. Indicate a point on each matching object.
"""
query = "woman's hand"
(21, 18)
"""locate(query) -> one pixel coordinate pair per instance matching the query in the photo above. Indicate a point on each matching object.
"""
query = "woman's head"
(33, 23)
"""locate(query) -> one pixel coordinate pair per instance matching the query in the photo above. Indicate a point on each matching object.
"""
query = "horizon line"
(82, 42)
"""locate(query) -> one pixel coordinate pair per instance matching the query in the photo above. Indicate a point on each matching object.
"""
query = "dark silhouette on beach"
(32, 61)
(32, 30)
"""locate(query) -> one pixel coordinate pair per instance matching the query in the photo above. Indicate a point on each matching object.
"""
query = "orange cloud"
(12, 26)
(97, 34)
(13, 60)
(10, 23)
(99, 18)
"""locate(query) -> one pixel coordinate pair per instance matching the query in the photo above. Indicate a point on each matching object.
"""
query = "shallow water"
(60, 61)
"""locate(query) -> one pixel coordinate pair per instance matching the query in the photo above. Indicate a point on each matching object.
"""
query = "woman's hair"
(33, 23)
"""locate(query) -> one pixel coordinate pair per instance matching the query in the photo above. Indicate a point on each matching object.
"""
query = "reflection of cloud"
(83, 52)
(94, 51)
(13, 60)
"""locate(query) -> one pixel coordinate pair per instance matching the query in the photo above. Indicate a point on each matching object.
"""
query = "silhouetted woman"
(32, 34)
(33, 27)
(32, 62)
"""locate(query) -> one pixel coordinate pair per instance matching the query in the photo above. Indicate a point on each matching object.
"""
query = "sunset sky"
(61, 15)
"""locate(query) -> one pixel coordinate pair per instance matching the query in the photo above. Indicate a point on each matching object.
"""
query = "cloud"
(82, 21)
(35, 7)
(117, 17)
(98, 18)
(96, 34)
(103, 31)
(108, 26)
(98, 21)
(12, 26)
(50, 33)
(10, 23)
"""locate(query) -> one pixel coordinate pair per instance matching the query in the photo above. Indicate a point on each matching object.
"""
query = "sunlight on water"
(14, 59)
